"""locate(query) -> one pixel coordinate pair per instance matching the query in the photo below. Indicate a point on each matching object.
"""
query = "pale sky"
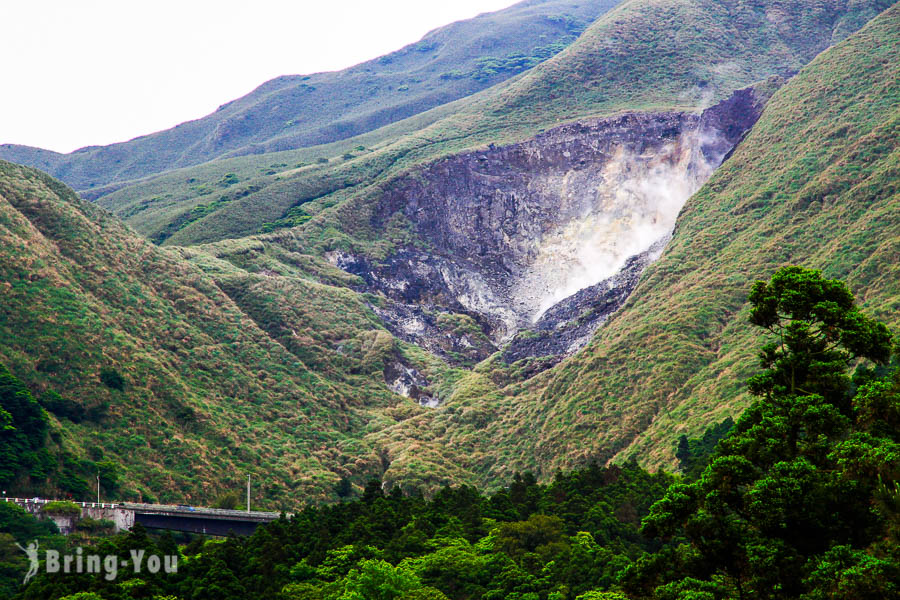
(93, 72)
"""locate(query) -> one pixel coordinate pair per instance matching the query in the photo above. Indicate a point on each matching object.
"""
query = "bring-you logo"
(109, 565)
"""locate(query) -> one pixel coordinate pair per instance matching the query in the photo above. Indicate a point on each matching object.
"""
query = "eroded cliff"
(535, 244)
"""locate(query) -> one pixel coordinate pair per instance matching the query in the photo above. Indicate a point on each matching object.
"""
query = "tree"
(378, 580)
(602, 596)
(23, 429)
(112, 379)
(818, 330)
(802, 469)
(538, 534)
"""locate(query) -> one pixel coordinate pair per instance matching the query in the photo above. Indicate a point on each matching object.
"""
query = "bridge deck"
(206, 513)
(213, 521)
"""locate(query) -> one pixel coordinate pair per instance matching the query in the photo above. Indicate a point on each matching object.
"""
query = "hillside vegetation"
(814, 183)
(798, 501)
(141, 360)
(296, 111)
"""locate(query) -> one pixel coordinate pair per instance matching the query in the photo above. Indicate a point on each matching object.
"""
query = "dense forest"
(799, 499)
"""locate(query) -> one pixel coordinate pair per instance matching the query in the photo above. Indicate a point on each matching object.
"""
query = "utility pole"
(98, 488)
(248, 493)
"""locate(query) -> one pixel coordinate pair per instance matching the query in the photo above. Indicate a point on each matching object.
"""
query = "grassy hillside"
(252, 355)
(183, 387)
(816, 183)
(642, 55)
(296, 111)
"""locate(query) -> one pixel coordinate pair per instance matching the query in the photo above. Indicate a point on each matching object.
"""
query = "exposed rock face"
(408, 382)
(525, 236)
(425, 298)
(570, 324)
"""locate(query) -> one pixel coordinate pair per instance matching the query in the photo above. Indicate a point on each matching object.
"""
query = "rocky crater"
(569, 325)
(535, 244)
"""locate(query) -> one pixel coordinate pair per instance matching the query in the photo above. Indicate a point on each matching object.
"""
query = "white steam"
(635, 205)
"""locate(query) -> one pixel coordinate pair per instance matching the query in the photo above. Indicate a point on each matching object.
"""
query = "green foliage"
(23, 430)
(845, 572)
(23, 526)
(108, 471)
(126, 585)
(81, 293)
(819, 332)
(62, 508)
(784, 509)
(377, 580)
(540, 534)
(228, 501)
(18, 529)
(292, 218)
(526, 542)
(693, 453)
(488, 67)
(112, 379)
(95, 526)
(229, 179)
(63, 408)
(34, 458)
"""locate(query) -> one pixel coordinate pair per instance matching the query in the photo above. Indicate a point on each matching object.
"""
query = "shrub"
(62, 508)
(63, 407)
(112, 378)
(228, 501)
(89, 525)
(229, 179)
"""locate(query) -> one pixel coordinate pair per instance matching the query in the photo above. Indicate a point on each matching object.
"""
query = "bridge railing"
(41, 501)
(160, 508)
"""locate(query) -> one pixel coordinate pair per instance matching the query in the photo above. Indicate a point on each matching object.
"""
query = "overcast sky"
(92, 72)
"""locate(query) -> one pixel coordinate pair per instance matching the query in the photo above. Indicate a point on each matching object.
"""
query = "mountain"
(640, 56)
(816, 182)
(512, 282)
(297, 111)
(444, 252)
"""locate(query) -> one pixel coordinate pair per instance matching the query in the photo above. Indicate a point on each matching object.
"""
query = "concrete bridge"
(209, 521)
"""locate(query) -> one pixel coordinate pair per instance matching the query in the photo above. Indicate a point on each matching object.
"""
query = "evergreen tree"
(802, 470)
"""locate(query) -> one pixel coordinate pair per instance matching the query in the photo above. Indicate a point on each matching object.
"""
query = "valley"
(604, 311)
(529, 277)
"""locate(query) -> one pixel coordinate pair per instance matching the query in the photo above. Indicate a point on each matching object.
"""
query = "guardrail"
(182, 509)
(39, 501)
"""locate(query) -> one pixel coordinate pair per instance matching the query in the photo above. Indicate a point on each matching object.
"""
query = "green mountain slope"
(816, 183)
(182, 388)
(297, 111)
(674, 54)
